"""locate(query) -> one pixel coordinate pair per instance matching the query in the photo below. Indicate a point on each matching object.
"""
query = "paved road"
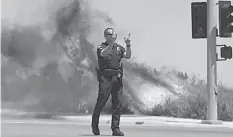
(49, 128)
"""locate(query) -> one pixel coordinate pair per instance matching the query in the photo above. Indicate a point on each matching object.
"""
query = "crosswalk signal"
(199, 20)
(225, 19)
(226, 52)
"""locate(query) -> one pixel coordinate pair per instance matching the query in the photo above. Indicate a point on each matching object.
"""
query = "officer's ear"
(105, 36)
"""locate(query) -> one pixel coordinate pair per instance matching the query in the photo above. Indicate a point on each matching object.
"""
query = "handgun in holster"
(98, 73)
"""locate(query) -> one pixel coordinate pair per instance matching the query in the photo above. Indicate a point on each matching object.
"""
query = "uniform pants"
(108, 86)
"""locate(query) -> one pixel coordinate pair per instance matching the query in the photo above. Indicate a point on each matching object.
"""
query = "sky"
(161, 35)
(160, 32)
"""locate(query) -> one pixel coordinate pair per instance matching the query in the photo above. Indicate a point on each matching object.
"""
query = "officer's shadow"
(90, 135)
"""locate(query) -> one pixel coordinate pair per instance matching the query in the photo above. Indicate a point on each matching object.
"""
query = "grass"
(194, 104)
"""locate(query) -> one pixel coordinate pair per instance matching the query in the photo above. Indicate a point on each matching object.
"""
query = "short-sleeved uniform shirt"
(113, 60)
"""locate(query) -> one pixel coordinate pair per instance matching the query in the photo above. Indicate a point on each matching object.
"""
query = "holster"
(112, 72)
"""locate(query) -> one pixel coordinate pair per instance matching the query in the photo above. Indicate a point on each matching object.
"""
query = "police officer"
(110, 75)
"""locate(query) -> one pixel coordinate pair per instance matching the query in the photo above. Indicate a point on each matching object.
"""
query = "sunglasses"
(112, 34)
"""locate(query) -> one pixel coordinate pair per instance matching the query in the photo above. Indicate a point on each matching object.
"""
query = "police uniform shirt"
(113, 60)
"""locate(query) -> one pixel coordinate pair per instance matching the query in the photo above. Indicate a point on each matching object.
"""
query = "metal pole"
(211, 59)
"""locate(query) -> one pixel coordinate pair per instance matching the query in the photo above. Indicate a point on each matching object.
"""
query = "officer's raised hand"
(127, 52)
(127, 40)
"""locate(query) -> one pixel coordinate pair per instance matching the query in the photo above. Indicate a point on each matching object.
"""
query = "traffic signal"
(199, 20)
(225, 19)
(226, 52)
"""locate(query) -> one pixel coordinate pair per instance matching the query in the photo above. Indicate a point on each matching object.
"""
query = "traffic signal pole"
(204, 18)
(211, 60)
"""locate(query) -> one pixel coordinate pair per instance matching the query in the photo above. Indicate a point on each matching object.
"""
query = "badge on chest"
(116, 51)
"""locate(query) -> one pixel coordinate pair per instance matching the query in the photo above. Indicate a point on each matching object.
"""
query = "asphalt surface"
(58, 128)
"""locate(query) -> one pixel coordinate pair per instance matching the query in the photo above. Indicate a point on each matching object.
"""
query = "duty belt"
(109, 73)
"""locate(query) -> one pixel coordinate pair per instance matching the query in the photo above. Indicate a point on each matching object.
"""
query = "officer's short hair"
(106, 31)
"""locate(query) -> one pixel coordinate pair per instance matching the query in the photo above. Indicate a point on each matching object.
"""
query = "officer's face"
(110, 35)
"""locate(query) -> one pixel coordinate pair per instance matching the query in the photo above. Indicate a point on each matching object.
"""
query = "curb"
(150, 121)
(25, 115)
(214, 122)
(125, 119)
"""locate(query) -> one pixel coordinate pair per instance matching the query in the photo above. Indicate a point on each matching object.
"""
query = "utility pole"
(211, 60)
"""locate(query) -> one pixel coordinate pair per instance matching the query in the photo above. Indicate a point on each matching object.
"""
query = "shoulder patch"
(101, 46)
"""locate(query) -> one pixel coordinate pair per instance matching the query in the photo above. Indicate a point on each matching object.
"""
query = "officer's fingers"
(129, 35)
(124, 38)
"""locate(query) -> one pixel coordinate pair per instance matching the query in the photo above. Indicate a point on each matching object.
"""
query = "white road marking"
(40, 122)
